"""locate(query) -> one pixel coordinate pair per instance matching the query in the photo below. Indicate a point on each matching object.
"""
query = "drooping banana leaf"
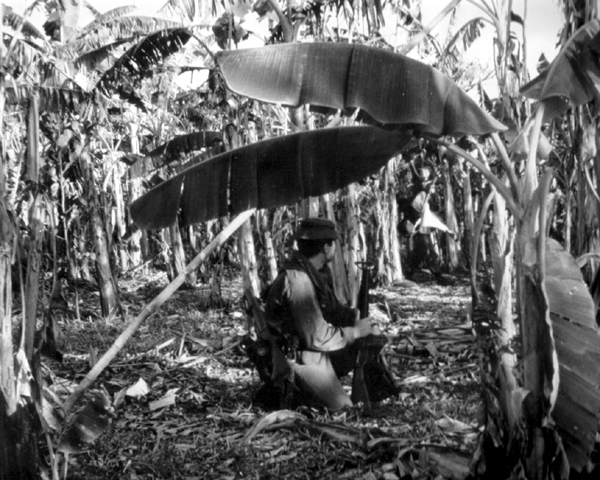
(271, 173)
(184, 144)
(139, 59)
(175, 149)
(572, 78)
(391, 88)
(577, 342)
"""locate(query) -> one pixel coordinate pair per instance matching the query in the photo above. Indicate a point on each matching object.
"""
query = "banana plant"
(406, 96)
(34, 64)
(124, 75)
(570, 81)
(282, 170)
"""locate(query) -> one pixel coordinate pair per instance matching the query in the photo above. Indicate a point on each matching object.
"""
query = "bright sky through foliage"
(543, 23)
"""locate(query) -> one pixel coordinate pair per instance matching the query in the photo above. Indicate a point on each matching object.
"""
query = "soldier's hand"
(363, 328)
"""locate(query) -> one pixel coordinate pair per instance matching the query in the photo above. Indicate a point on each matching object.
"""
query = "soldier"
(318, 333)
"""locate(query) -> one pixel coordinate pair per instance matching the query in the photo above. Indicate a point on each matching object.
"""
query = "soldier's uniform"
(315, 329)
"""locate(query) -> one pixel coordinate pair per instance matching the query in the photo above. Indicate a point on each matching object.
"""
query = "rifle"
(369, 349)
(359, 387)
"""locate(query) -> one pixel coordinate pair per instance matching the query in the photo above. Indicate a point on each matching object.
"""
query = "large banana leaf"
(573, 76)
(267, 174)
(392, 88)
(577, 343)
(570, 81)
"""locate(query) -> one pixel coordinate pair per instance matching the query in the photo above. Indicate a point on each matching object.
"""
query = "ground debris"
(182, 393)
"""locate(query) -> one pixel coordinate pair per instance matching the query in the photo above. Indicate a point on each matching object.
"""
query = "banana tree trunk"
(394, 242)
(310, 207)
(109, 299)
(35, 230)
(469, 213)
(385, 224)
(340, 272)
(248, 256)
(245, 237)
(69, 245)
(178, 254)
(83, 266)
(483, 249)
(501, 250)
(270, 255)
(571, 197)
(9, 467)
(353, 252)
(8, 400)
(18, 440)
(32, 279)
(380, 241)
(135, 191)
(120, 225)
(188, 239)
(581, 210)
(596, 160)
(452, 245)
(540, 365)
(534, 402)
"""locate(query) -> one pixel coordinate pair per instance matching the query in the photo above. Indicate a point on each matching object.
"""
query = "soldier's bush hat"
(316, 229)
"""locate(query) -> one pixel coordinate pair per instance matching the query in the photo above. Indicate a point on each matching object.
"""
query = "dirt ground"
(183, 389)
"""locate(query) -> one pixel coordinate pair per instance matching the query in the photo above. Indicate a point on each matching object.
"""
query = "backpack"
(278, 388)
